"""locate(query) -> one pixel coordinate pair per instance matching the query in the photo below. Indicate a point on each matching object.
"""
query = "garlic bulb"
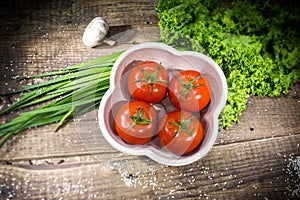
(95, 32)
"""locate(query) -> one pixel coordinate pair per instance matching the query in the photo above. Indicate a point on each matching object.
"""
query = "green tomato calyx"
(183, 125)
(151, 78)
(139, 118)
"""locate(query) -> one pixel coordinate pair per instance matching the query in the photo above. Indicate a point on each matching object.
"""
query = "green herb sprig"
(71, 91)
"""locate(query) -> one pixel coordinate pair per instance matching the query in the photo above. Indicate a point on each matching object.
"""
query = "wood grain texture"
(233, 171)
(251, 160)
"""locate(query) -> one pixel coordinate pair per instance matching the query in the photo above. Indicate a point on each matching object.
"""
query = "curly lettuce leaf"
(256, 44)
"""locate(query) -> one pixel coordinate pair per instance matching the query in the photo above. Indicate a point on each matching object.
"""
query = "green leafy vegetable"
(77, 89)
(256, 43)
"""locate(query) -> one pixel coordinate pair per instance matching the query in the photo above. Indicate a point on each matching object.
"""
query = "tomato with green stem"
(136, 122)
(148, 81)
(180, 132)
(189, 90)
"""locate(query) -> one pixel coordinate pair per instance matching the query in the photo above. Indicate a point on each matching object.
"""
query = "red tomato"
(180, 132)
(136, 122)
(148, 82)
(189, 90)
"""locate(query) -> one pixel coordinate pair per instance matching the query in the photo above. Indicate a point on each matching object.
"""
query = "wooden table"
(254, 159)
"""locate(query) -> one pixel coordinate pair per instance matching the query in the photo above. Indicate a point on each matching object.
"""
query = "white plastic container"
(171, 59)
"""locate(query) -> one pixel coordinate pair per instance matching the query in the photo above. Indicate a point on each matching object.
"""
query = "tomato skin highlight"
(184, 140)
(148, 89)
(139, 133)
(195, 96)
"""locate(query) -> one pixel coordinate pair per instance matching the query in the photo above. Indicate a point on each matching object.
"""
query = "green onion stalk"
(69, 92)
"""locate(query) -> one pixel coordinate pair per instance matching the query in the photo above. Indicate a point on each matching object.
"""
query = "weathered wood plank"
(267, 117)
(233, 171)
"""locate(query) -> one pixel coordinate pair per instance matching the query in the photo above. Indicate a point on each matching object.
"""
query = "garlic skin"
(95, 32)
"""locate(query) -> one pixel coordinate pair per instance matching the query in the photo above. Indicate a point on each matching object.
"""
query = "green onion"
(71, 91)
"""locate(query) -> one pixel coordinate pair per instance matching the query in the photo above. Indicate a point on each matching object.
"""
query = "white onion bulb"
(95, 32)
